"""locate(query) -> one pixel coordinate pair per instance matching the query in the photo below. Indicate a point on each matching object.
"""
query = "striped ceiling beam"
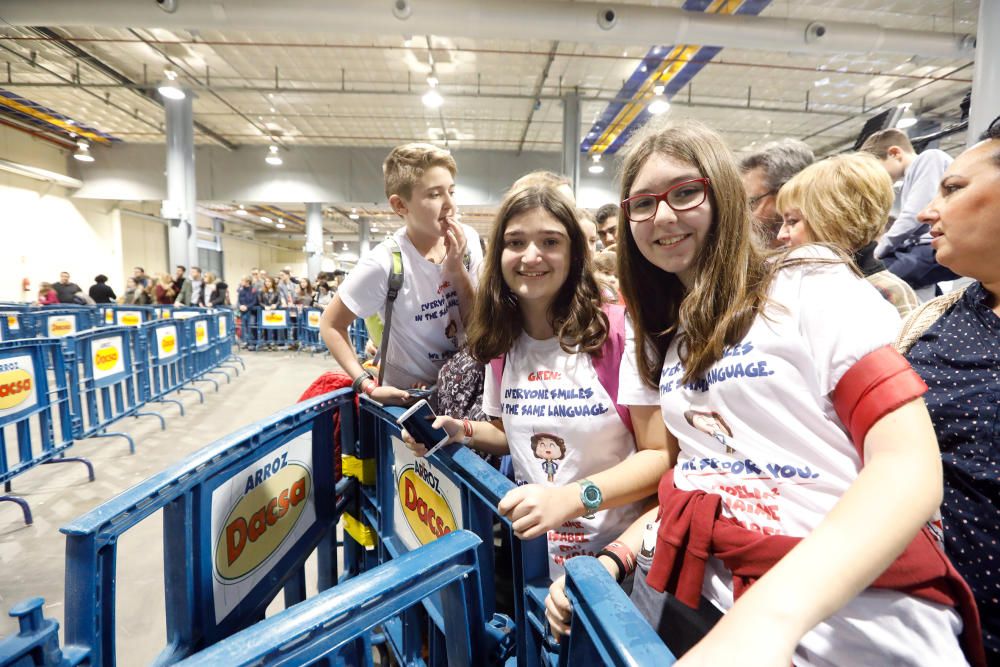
(47, 119)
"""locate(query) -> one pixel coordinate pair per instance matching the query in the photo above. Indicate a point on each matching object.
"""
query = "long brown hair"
(575, 312)
(731, 274)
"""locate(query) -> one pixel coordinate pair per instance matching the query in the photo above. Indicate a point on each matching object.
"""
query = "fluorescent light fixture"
(83, 152)
(597, 167)
(169, 89)
(280, 225)
(432, 99)
(273, 156)
(904, 123)
(354, 216)
(658, 106)
(264, 218)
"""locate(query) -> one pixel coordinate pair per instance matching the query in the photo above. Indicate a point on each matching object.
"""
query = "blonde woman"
(845, 201)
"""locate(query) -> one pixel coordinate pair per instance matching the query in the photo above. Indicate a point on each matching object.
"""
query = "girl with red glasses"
(807, 526)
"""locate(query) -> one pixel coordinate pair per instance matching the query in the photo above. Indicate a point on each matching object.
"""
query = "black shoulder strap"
(395, 284)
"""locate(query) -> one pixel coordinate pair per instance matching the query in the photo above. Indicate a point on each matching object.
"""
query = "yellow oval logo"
(109, 316)
(168, 343)
(106, 358)
(165, 315)
(261, 521)
(60, 328)
(425, 510)
(12, 322)
(274, 318)
(15, 388)
(314, 319)
(131, 320)
(200, 333)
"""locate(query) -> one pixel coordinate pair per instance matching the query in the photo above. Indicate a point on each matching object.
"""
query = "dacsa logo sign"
(106, 358)
(426, 510)
(168, 343)
(15, 388)
(275, 497)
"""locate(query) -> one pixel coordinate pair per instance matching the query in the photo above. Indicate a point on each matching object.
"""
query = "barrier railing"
(359, 336)
(274, 329)
(308, 334)
(162, 367)
(274, 477)
(198, 347)
(126, 315)
(36, 422)
(103, 372)
(52, 322)
(225, 340)
(335, 626)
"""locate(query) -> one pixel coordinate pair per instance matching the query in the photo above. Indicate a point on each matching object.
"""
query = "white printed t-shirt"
(779, 457)
(426, 322)
(544, 390)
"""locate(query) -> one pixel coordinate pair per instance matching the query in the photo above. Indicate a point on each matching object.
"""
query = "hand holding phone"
(417, 421)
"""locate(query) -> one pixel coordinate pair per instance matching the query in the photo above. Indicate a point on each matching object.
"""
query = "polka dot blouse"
(959, 359)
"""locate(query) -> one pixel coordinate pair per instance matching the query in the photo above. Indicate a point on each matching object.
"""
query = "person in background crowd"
(219, 295)
(306, 295)
(135, 294)
(845, 201)
(291, 276)
(286, 289)
(953, 342)
(246, 305)
(100, 292)
(179, 287)
(65, 290)
(606, 273)
(268, 297)
(324, 295)
(141, 279)
(338, 278)
(561, 183)
(192, 292)
(256, 280)
(165, 290)
(589, 228)
(906, 248)
(822, 561)
(607, 224)
(47, 295)
(210, 280)
(764, 172)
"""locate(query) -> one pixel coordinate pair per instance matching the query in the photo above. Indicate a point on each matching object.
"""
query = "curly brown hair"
(575, 312)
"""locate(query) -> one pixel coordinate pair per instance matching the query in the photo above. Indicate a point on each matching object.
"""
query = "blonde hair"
(879, 143)
(406, 164)
(606, 262)
(845, 200)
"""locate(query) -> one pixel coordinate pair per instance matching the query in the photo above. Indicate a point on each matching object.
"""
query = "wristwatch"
(590, 496)
(360, 380)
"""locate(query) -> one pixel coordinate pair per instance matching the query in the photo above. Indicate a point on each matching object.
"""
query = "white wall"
(44, 231)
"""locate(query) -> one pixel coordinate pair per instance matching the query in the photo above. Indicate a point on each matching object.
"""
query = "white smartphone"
(417, 421)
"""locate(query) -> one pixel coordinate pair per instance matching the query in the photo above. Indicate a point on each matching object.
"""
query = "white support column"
(175, 207)
(571, 139)
(314, 239)
(986, 75)
(190, 188)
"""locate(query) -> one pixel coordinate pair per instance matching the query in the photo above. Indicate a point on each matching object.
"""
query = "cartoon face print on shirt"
(549, 448)
(713, 424)
(451, 332)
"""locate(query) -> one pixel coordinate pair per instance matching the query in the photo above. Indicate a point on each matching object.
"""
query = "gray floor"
(32, 557)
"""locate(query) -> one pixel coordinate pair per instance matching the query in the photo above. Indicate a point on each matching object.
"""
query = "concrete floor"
(32, 557)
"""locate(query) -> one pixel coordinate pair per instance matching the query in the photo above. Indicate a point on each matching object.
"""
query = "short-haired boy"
(905, 248)
(438, 290)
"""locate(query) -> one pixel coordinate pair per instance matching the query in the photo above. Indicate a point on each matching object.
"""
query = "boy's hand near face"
(455, 246)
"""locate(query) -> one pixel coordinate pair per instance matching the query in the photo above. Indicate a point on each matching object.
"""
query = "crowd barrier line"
(218, 584)
(72, 383)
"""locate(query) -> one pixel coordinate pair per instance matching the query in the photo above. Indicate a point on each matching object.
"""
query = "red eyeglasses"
(683, 196)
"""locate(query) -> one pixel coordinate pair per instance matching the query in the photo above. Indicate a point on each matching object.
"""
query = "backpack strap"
(921, 319)
(395, 284)
(609, 363)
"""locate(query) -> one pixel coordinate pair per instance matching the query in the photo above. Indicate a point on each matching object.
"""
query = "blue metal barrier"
(198, 348)
(359, 337)
(225, 340)
(52, 322)
(37, 642)
(10, 326)
(335, 626)
(274, 329)
(309, 338)
(607, 628)
(405, 502)
(36, 424)
(275, 476)
(162, 367)
(107, 386)
(126, 316)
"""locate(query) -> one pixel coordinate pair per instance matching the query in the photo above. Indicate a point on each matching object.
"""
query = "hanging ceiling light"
(907, 119)
(169, 88)
(432, 99)
(241, 210)
(273, 156)
(83, 152)
(264, 218)
(597, 167)
(659, 105)
(280, 224)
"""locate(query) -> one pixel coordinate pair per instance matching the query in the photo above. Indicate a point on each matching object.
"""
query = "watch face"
(592, 494)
